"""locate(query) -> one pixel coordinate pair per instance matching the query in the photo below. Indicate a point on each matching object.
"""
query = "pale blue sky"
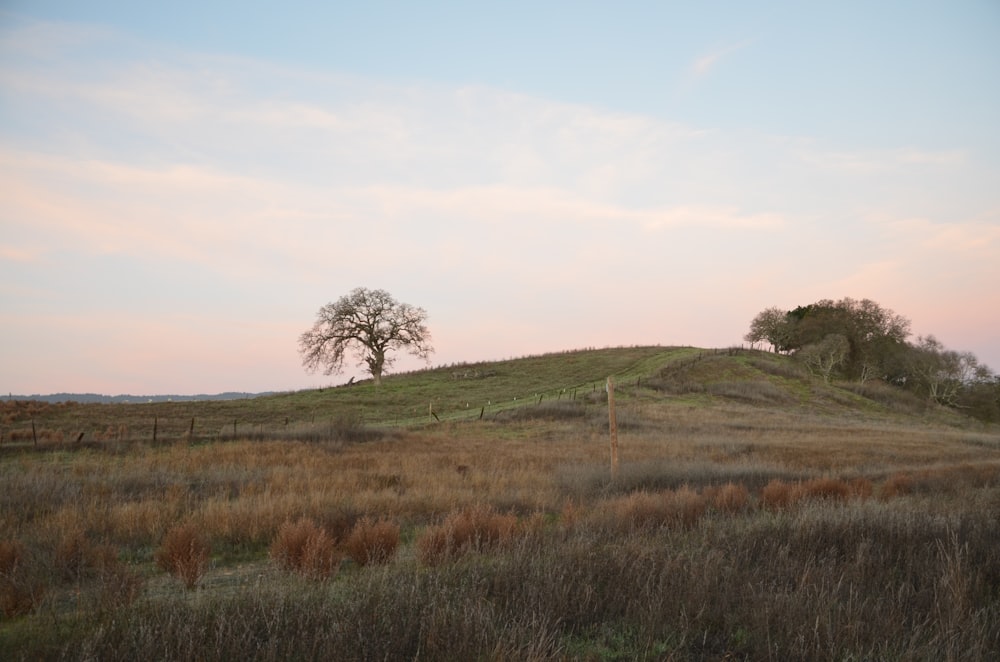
(182, 186)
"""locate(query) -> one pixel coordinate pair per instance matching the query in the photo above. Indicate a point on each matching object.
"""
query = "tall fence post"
(155, 422)
(613, 428)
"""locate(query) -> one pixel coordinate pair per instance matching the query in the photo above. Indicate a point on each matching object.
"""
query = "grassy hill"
(554, 384)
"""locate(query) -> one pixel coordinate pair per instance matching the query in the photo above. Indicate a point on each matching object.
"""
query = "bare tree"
(943, 372)
(823, 357)
(370, 323)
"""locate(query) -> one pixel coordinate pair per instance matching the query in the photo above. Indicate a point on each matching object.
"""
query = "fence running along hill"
(462, 392)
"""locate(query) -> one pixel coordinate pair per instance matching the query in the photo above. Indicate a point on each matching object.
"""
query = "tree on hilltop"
(771, 325)
(874, 334)
(372, 324)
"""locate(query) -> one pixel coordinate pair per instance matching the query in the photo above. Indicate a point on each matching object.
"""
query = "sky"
(183, 185)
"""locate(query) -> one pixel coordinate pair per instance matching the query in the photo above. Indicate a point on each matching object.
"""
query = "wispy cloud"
(703, 65)
(713, 216)
(271, 189)
(872, 161)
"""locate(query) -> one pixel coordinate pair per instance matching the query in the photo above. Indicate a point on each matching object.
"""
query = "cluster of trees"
(862, 341)
(846, 339)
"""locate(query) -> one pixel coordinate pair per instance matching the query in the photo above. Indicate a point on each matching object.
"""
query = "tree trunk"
(375, 363)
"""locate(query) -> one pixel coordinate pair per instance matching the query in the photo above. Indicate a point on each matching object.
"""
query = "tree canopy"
(861, 340)
(372, 324)
(872, 332)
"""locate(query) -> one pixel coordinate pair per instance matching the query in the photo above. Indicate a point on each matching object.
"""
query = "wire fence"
(348, 424)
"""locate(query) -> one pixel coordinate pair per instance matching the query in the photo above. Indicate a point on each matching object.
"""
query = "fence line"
(629, 380)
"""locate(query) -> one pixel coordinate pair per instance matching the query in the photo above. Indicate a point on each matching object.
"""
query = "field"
(470, 512)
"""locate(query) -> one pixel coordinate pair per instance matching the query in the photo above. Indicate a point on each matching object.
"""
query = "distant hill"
(96, 398)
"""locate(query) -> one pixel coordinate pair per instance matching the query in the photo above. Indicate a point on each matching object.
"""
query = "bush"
(477, 528)
(778, 495)
(372, 541)
(896, 485)
(72, 553)
(184, 553)
(304, 547)
(729, 498)
(680, 508)
(833, 489)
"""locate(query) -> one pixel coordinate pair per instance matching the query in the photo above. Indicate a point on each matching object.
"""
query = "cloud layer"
(172, 222)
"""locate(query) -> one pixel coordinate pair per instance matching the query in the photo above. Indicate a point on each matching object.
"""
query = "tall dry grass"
(474, 529)
(372, 541)
(511, 541)
(829, 580)
(304, 547)
(185, 553)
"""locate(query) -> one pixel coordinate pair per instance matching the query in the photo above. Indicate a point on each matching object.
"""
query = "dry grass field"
(757, 514)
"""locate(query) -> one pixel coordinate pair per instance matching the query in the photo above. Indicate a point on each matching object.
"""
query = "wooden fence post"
(155, 422)
(34, 435)
(613, 428)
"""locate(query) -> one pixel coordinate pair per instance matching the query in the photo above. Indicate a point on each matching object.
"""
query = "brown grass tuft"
(778, 495)
(302, 546)
(826, 489)
(896, 485)
(477, 528)
(372, 541)
(570, 514)
(184, 553)
(862, 488)
(730, 498)
(682, 508)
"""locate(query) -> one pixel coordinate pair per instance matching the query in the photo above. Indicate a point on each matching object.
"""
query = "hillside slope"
(558, 384)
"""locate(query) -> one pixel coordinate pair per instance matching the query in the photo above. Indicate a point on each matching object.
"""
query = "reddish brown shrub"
(896, 485)
(862, 488)
(303, 547)
(320, 556)
(478, 528)
(731, 498)
(827, 489)
(778, 494)
(184, 553)
(687, 505)
(682, 507)
(372, 541)
(638, 510)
